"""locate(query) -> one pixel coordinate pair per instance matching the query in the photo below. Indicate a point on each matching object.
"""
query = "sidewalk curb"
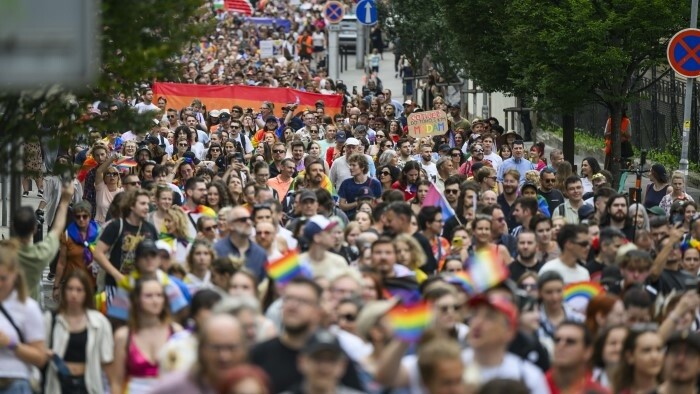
(551, 139)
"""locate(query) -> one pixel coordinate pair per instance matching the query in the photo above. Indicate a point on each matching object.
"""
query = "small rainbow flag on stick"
(285, 268)
(125, 163)
(409, 322)
(578, 294)
(485, 270)
(462, 279)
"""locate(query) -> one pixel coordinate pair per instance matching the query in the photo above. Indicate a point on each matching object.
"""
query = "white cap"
(214, 113)
(352, 141)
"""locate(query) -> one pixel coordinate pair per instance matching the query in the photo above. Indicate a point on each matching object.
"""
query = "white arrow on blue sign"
(366, 12)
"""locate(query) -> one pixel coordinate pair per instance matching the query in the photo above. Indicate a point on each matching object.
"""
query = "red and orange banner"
(180, 95)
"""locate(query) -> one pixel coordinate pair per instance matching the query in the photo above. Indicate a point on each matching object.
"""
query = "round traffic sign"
(333, 11)
(683, 53)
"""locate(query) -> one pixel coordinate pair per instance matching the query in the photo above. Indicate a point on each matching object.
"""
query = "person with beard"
(426, 161)
(398, 221)
(526, 260)
(525, 208)
(238, 244)
(477, 156)
(383, 259)
(616, 216)
(547, 189)
(195, 199)
(301, 317)
(317, 231)
(451, 191)
(681, 363)
(314, 175)
(506, 200)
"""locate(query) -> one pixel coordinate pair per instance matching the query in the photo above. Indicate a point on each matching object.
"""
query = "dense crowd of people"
(161, 246)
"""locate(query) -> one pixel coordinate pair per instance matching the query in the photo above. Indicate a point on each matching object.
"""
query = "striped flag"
(436, 198)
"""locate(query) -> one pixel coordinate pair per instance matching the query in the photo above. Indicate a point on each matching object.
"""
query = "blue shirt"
(349, 190)
(255, 257)
(522, 165)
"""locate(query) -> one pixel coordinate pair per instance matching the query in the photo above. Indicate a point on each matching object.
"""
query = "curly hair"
(177, 215)
(417, 254)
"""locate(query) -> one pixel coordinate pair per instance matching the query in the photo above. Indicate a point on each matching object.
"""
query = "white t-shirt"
(28, 318)
(571, 275)
(430, 169)
(495, 159)
(512, 367)
(143, 107)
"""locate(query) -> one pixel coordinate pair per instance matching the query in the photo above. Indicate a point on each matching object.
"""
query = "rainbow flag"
(578, 294)
(180, 95)
(285, 268)
(435, 198)
(485, 269)
(205, 211)
(463, 280)
(125, 163)
(410, 321)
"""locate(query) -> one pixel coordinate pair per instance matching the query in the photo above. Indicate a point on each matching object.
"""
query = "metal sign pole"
(687, 104)
(333, 57)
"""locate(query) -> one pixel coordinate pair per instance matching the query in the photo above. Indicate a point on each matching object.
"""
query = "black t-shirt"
(517, 269)
(122, 255)
(280, 363)
(530, 349)
(672, 280)
(595, 269)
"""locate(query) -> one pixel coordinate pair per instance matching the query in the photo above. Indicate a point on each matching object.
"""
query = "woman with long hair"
(22, 331)
(80, 337)
(563, 171)
(137, 344)
(395, 129)
(410, 254)
(234, 187)
(107, 185)
(641, 361)
(199, 260)
(314, 153)
(506, 152)
(249, 127)
(589, 167)
(176, 233)
(387, 176)
(164, 201)
(422, 191)
(638, 215)
(217, 195)
(74, 253)
(481, 230)
(607, 353)
(389, 157)
(602, 311)
(408, 180)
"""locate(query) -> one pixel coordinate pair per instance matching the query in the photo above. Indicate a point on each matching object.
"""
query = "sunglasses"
(242, 219)
(448, 308)
(451, 191)
(347, 317)
(278, 151)
(111, 174)
(380, 135)
(456, 154)
(313, 131)
(215, 150)
(82, 217)
(214, 227)
(385, 173)
(550, 180)
(478, 151)
(172, 116)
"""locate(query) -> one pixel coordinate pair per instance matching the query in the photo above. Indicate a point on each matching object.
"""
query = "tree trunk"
(615, 121)
(567, 124)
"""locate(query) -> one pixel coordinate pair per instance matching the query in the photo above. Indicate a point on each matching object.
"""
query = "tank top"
(137, 365)
(652, 197)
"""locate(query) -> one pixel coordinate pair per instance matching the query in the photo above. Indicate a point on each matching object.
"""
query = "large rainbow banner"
(180, 95)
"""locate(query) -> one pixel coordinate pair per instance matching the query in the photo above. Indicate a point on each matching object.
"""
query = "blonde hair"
(180, 220)
(678, 175)
(9, 259)
(417, 254)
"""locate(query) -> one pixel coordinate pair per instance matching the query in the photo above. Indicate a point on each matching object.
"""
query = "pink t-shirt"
(104, 199)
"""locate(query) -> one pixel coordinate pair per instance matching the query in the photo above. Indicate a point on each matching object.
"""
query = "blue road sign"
(333, 11)
(683, 53)
(366, 12)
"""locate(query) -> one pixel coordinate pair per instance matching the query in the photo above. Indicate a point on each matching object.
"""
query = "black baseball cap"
(146, 247)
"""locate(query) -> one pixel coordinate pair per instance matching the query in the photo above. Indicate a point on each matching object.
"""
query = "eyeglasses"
(82, 217)
(313, 131)
(349, 317)
(528, 286)
(567, 341)
(172, 116)
(213, 227)
(278, 151)
(380, 135)
(133, 183)
(451, 191)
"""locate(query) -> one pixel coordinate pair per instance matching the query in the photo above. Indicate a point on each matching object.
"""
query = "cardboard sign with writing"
(427, 123)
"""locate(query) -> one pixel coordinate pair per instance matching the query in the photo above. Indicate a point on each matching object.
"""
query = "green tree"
(141, 41)
(565, 53)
